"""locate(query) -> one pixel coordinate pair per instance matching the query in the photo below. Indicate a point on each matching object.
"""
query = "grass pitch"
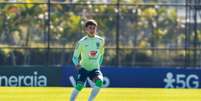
(106, 94)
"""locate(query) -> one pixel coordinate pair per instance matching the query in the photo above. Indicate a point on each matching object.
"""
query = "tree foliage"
(140, 26)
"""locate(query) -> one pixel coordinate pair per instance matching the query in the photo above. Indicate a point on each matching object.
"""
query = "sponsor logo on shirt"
(97, 45)
(92, 53)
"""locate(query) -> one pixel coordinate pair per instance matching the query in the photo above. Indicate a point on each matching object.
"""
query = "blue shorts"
(83, 74)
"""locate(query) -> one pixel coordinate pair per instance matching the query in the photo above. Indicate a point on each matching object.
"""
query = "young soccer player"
(91, 50)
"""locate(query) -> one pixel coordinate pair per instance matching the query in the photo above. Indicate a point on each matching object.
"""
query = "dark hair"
(90, 22)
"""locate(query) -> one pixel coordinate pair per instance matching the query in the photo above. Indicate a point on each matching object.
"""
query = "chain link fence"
(137, 34)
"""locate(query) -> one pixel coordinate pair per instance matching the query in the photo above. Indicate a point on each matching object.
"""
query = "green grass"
(106, 94)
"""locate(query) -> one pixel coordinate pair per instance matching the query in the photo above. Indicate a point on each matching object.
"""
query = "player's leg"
(81, 78)
(97, 77)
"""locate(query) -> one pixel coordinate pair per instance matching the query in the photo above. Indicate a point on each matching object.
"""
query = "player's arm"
(101, 60)
(102, 49)
(76, 55)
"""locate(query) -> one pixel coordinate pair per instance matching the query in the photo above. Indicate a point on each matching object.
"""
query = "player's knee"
(79, 86)
(99, 83)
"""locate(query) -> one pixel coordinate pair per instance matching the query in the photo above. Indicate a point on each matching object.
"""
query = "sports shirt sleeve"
(102, 48)
(76, 53)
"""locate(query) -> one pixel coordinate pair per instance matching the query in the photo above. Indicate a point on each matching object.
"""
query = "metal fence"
(139, 34)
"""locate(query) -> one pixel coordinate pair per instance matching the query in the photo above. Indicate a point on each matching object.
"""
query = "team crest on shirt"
(97, 45)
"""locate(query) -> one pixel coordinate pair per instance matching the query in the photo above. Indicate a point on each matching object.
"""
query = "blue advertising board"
(142, 77)
(113, 77)
(30, 76)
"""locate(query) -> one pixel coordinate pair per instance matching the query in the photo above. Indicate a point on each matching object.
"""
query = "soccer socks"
(95, 90)
(76, 90)
(74, 94)
(94, 93)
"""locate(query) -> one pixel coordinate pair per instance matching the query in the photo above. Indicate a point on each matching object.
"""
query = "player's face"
(91, 30)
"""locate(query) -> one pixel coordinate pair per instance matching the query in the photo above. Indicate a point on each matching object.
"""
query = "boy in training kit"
(91, 50)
